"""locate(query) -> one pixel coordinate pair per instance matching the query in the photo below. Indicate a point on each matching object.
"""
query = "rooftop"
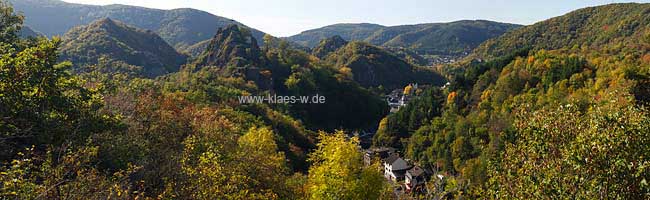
(392, 158)
(416, 171)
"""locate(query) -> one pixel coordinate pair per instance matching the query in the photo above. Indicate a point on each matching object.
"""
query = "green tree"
(40, 102)
(74, 175)
(10, 23)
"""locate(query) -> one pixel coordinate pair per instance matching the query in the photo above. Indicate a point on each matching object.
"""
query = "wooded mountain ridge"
(431, 38)
(179, 27)
(188, 30)
(105, 41)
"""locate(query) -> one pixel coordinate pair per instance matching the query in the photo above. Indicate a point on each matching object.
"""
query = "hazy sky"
(289, 17)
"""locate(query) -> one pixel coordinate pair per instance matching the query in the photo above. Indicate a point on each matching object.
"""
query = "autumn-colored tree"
(338, 173)
(451, 98)
(646, 58)
(565, 153)
(73, 175)
(346, 73)
(249, 167)
(408, 90)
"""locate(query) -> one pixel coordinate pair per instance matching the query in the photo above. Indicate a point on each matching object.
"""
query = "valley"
(127, 102)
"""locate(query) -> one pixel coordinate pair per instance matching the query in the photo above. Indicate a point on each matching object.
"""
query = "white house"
(395, 167)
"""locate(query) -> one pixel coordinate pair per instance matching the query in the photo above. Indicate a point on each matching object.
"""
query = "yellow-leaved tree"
(249, 167)
(407, 89)
(337, 171)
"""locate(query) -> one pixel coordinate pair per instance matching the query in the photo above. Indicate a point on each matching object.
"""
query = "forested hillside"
(434, 38)
(109, 41)
(26, 32)
(232, 46)
(596, 28)
(311, 38)
(195, 49)
(98, 134)
(551, 110)
(328, 45)
(372, 66)
(179, 27)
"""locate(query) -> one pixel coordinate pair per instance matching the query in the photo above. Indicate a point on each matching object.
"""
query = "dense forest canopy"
(557, 109)
(372, 66)
(107, 40)
(108, 131)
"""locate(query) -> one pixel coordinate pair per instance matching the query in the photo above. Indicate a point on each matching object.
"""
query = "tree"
(262, 160)
(409, 118)
(10, 23)
(407, 90)
(269, 41)
(566, 153)
(249, 167)
(40, 102)
(74, 175)
(338, 173)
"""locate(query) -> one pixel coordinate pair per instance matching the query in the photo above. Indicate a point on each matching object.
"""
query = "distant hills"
(115, 41)
(179, 27)
(434, 38)
(388, 59)
(349, 32)
(189, 30)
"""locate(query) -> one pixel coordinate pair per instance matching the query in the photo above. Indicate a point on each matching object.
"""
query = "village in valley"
(407, 176)
(400, 97)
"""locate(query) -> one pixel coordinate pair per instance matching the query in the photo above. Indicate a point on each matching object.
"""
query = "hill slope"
(195, 49)
(349, 32)
(179, 27)
(450, 38)
(328, 46)
(117, 41)
(26, 32)
(232, 46)
(588, 28)
(435, 38)
(372, 66)
(534, 100)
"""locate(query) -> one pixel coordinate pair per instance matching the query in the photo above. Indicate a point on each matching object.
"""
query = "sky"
(290, 17)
